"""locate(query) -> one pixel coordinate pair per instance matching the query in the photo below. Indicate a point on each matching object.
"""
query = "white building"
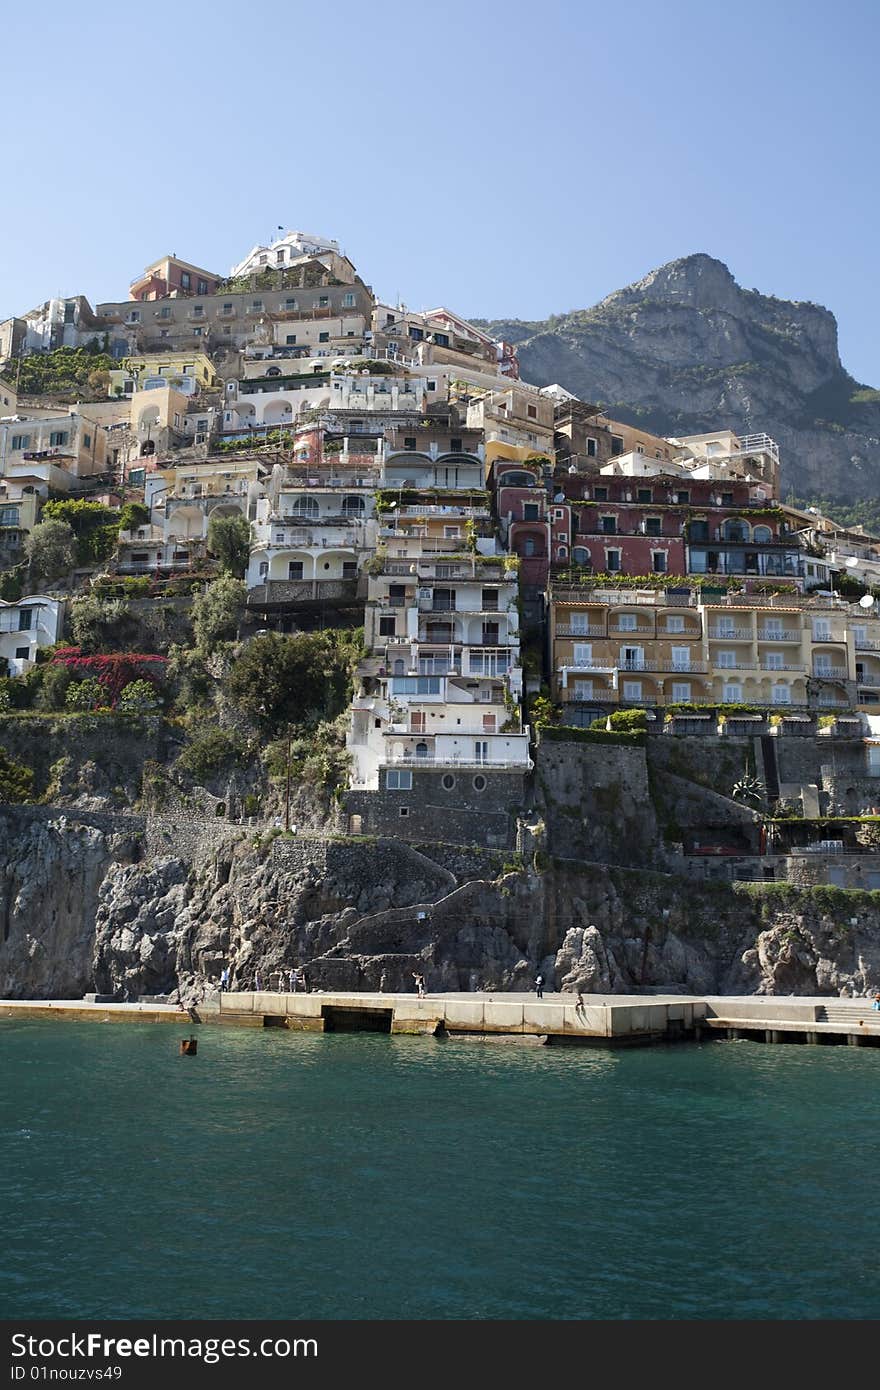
(26, 625)
(284, 251)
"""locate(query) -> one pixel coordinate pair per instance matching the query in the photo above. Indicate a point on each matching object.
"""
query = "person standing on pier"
(420, 984)
(539, 986)
(292, 976)
(258, 982)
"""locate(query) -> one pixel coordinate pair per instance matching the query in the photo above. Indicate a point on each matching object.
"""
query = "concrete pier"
(602, 1020)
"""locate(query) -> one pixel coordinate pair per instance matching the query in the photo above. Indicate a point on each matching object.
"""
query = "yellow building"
(187, 372)
(634, 647)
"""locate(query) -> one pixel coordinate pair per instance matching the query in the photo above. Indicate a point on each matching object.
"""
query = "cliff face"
(84, 907)
(687, 349)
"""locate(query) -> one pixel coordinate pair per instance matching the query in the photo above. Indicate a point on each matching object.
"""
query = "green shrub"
(85, 695)
(208, 754)
(16, 781)
(623, 721)
(138, 697)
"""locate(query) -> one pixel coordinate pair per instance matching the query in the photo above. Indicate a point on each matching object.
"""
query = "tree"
(216, 613)
(101, 624)
(51, 550)
(229, 538)
(138, 697)
(85, 695)
(282, 680)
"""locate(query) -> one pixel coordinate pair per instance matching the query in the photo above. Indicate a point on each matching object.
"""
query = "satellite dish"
(866, 601)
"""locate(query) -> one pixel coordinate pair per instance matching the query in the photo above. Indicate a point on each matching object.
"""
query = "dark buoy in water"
(189, 1046)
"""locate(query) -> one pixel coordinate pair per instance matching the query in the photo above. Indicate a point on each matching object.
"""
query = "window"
(681, 658)
(22, 653)
(21, 441)
(87, 441)
(681, 691)
(432, 386)
(447, 782)
(616, 444)
(348, 301)
(25, 619)
(323, 337)
(683, 498)
(632, 658)
(627, 622)
(398, 780)
(256, 304)
(198, 311)
(725, 659)
(822, 663)
(632, 690)
(732, 693)
(290, 339)
(479, 783)
(415, 685)
(455, 446)
(227, 308)
(57, 438)
(323, 301)
(533, 412)
(653, 526)
(202, 287)
(608, 525)
(134, 316)
(774, 661)
(531, 511)
(600, 494)
(349, 569)
(727, 499)
(644, 494)
(675, 623)
(481, 750)
(658, 561)
(294, 569)
(591, 448)
(197, 332)
(583, 653)
(185, 280)
(612, 561)
(165, 313)
(583, 690)
(579, 622)
(781, 694)
(489, 600)
(821, 630)
(387, 626)
(409, 442)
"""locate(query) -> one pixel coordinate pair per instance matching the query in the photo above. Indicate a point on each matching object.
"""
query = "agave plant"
(750, 790)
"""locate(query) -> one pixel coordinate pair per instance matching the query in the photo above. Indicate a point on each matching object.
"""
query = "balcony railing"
(734, 634)
(865, 644)
(830, 673)
(566, 630)
(458, 760)
(783, 635)
(787, 666)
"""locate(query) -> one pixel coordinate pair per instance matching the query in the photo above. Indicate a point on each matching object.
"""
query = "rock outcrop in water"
(687, 349)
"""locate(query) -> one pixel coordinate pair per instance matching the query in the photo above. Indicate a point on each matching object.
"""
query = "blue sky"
(507, 159)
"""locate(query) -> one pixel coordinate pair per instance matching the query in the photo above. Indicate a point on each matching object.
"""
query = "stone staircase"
(852, 1013)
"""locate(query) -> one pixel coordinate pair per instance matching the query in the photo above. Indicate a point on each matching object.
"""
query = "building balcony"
(830, 673)
(622, 631)
(450, 760)
(788, 666)
(865, 644)
(734, 634)
(566, 630)
(784, 635)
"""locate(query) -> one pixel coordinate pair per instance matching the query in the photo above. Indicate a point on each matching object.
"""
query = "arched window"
(305, 506)
(353, 506)
(580, 555)
(529, 546)
(735, 531)
(399, 667)
(762, 535)
(264, 568)
(421, 750)
(562, 552)
(274, 371)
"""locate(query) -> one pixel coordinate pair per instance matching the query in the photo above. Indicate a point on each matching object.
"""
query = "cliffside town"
(328, 640)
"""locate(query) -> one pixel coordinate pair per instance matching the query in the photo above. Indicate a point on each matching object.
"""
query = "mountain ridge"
(687, 349)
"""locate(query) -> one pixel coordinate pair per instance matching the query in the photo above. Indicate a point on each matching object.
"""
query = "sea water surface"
(279, 1175)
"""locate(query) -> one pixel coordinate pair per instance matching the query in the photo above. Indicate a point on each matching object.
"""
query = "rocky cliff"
(687, 349)
(85, 906)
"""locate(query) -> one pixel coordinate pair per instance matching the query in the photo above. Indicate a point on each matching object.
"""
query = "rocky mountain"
(687, 349)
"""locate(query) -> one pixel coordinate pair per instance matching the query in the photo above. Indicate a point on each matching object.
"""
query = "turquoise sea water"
(278, 1175)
